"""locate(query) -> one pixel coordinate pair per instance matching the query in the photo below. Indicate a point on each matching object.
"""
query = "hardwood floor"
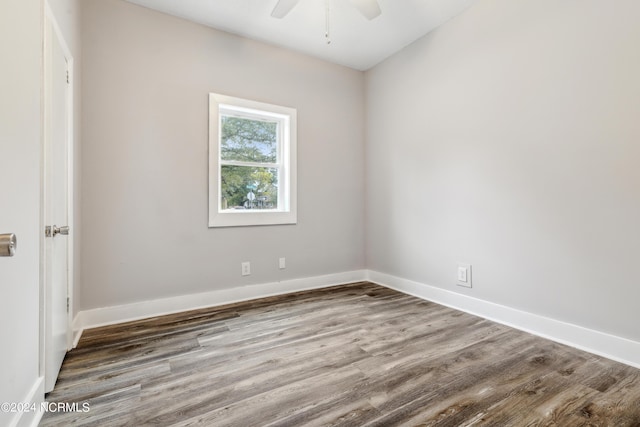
(356, 355)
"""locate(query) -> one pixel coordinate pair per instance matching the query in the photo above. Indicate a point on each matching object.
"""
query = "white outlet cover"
(464, 275)
(246, 268)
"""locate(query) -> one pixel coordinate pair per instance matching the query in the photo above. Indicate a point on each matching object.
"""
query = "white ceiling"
(355, 42)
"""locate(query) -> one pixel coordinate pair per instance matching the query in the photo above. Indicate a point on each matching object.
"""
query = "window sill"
(251, 218)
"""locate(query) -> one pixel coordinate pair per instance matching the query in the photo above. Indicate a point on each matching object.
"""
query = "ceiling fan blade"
(369, 8)
(283, 7)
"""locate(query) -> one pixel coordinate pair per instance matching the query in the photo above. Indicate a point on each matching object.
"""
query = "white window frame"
(286, 212)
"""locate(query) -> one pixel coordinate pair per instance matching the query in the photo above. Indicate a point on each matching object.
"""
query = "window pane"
(248, 140)
(244, 187)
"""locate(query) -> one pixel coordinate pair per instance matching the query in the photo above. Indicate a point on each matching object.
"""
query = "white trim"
(610, 346)
(141, 310)
(34, 397)
(77, 333)
(286, 213)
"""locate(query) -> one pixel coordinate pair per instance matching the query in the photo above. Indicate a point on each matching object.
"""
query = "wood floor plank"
(353, 355)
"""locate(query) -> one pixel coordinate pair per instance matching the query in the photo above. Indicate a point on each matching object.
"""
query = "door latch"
(53, 231)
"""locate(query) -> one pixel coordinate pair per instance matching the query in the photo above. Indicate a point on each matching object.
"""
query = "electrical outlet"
(246, 268)
(464, 275)
(282, 263)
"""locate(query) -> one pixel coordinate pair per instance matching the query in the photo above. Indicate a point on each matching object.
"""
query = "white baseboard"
(77, 330)
(141, 310)
(610, 346)
(34, 397)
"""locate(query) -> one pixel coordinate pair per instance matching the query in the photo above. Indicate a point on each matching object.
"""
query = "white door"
(57, 137)
(20, 188)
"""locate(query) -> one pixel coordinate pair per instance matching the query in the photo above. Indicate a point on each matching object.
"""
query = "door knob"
(8, 244)
(53, 231)
(61, 230)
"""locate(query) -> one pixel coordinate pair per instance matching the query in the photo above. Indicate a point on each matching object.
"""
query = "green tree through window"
(245, 141)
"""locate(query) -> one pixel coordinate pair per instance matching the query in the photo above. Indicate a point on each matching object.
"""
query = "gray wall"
(509, 139)
(146, 79)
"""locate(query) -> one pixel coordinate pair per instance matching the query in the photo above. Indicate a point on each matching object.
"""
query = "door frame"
(49, 19)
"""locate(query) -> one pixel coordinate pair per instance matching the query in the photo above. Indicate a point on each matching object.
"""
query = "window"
(252, 163)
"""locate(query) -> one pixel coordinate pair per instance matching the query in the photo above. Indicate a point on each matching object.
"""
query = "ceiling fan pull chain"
(327, 33)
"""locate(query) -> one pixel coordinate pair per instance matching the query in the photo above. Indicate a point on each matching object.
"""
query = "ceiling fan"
(369, 8)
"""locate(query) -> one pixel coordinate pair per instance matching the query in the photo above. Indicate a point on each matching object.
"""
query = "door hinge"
(67, 304)
(67, 76)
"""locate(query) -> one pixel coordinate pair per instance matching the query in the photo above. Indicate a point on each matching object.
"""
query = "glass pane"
(248, 140)
(245, 187)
